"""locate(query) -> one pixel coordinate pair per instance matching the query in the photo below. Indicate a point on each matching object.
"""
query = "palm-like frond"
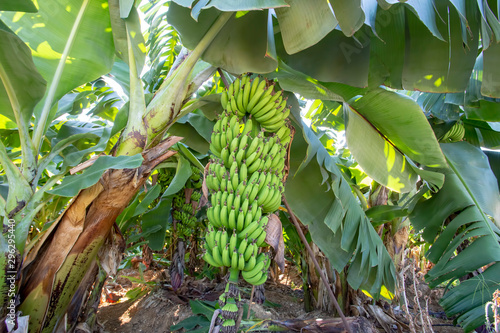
(464, 240)
(323, 200)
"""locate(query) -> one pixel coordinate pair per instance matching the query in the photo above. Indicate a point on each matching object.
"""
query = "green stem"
(42, 122)
(134, 136)
(361, 198)
(28, 162)
(234, 275)
(2, 206)
(19, 189)
(23, 227)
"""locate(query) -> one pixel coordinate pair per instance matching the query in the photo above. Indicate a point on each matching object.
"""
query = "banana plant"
(369, 49)
(461, 223)
(142, 135)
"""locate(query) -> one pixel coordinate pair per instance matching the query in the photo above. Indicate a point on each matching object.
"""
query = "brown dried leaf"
(111, 254)
(382, 317)
(204, 187)
(316, 325)
(274, 237)
(54, 263)
(188, 192)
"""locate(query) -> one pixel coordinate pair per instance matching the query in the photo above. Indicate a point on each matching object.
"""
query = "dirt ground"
(162, 307)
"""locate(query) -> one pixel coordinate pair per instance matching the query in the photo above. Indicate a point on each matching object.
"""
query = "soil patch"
(162, 307)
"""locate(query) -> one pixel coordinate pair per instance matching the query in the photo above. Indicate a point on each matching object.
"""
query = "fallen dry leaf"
(204, 187)
(274, 237)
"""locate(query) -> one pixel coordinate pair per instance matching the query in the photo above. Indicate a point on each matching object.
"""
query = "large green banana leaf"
(71, 185)
(236, 48)
(18, 6)
(322, 199)
(21, 82)
(428, 45)
(464, 239)
(304, 23)
(81, 34)
(385, 132)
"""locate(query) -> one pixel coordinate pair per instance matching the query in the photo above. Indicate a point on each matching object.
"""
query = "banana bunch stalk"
(245, 178)
(184, 208)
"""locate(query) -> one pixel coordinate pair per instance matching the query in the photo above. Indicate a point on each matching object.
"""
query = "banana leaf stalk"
(56, 265)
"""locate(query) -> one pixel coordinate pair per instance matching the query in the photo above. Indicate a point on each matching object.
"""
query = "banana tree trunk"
(318, 297)
(55, 266)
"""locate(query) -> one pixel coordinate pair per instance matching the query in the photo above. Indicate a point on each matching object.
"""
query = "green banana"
(210, 260)
(235, 143)
(237, 203)
(255, 274)
(226, 259)
(250, 264)
(234, 259)
(224, 216)
(249, 229)
(210, 237)
(232, 219)
(233, 169)
(210, 215)
(216, 215)
(276, 126)
(225, 155)
(243, 171)
(271, 118)
(239, 156)
(223, 99)
(230, 199)
(233, 240)
(255, 191)
(223, 240)
(255, 166)
(262, 280)
(252, 147)
(243, 246)
(263, 194)
(243, 141)
(240, 220)
(234, 105)
(246, 94)
(241, 261)
(256, 233)
(259, 91)
(262, 238)
(252, 248)
(241, 187)
(239, 102)
(217, 256)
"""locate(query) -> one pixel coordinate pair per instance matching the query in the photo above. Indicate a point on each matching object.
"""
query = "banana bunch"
(231, 136)
(185, 205)
(456, 133)
(258, 98)
(184, 209)
(187, 219)
(239, 255)
(165, 177)
(245, 179)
